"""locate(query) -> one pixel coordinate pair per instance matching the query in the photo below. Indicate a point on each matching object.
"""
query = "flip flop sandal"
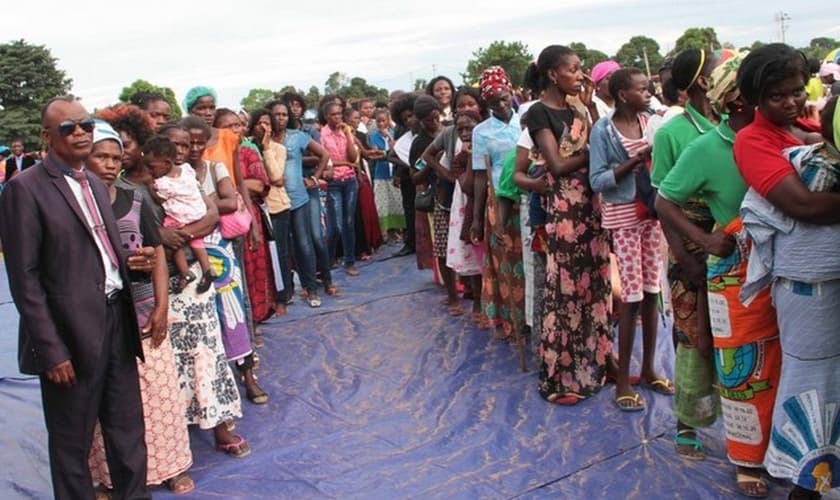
(751, 484)
(239, 449)
(259, 398)
(660, 386)
(682, 439)
(563, 400)
(331, 290)
(180, 484)
(456, 310)
(636, 403)
(313, 301)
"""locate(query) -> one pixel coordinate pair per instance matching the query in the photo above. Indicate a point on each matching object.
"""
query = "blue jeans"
(280, 222)
(341, 211)
(304, 251)
(319, 243)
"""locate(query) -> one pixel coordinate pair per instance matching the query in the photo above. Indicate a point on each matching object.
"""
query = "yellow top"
(274, 158)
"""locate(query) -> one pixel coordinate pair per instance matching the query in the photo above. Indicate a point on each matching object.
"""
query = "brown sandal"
(180, 484)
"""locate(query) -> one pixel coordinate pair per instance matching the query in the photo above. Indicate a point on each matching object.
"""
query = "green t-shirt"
(707, 170)
(671, 140)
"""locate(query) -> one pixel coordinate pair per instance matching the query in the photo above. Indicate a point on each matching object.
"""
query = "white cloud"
(104, 46)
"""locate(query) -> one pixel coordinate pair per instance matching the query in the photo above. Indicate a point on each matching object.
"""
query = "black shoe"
(406, 250)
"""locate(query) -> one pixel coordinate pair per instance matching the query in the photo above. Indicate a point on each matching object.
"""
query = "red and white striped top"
(623, 215)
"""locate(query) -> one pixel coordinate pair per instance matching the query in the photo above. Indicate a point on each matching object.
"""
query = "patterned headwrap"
(492, 81)
(196, 93)
(723, 87)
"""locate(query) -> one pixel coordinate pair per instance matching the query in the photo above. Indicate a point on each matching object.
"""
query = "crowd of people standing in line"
(725, 188)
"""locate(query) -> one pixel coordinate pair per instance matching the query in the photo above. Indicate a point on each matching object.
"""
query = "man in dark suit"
(69, 278)
(19, 161)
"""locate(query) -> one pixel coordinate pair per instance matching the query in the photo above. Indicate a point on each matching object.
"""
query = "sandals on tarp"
(687, 438)
(238, 449)
(750, 483)
(180, 484)
(660, 386)
(630, 403)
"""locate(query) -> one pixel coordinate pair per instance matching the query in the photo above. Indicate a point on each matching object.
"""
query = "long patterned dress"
(259, 273)
(576, 338)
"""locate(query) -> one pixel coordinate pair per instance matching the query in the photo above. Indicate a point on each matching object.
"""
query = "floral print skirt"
(576, 337)
(503, 275)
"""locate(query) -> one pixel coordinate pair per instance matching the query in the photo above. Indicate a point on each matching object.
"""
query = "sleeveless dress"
(167, 440)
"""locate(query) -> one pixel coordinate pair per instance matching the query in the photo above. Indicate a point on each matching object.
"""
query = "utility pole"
(434, 70)
(782, 19)
(647, 63)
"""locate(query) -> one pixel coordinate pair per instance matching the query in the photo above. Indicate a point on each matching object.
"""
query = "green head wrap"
(196, 93)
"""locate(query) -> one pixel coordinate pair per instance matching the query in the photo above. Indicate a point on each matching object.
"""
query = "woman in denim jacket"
(619, 156)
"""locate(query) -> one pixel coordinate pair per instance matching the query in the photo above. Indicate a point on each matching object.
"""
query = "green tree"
(144, 86)
(358, 87)
(30, 79)
(256, 99)
(697, 38)
(420, 84)
(287, 88)
(820, 47)
(755, 45)
(514, 57)
(334, 82)
(633, 52)
(313, 97)
(588, 57)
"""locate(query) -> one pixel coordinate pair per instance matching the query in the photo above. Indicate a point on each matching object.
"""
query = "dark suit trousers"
(408, 191)
(110, 393)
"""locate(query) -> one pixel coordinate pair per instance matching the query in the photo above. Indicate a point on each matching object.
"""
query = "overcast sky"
(104, 46)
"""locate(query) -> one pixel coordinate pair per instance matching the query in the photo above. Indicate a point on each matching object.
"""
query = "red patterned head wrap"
(492, 81)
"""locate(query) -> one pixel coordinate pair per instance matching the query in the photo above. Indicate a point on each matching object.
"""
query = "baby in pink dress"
(176, 189)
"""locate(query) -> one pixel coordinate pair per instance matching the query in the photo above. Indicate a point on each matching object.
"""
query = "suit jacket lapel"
(60, 183)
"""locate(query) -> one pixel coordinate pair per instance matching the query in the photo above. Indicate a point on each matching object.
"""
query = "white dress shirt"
(113, 281)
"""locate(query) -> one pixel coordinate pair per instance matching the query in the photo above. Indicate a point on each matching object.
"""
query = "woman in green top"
(696, 403)
(707, 170)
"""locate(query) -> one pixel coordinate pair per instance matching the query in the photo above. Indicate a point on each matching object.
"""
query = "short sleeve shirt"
(296, 143)
(707, 170)
(758, 153)
(672, 139)
(492, 140)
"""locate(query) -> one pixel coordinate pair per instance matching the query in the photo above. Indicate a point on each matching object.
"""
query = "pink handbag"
(237, 223)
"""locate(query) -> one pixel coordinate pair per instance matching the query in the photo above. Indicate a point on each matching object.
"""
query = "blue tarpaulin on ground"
(381, 394)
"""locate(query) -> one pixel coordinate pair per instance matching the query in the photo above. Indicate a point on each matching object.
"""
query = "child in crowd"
(176, 188)
(387, 196)
(462, 256)
(618, 170)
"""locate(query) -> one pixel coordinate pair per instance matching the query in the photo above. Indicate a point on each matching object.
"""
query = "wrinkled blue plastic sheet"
(380, 394)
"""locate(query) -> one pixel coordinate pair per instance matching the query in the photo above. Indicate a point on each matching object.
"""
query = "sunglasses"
(66, 128)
